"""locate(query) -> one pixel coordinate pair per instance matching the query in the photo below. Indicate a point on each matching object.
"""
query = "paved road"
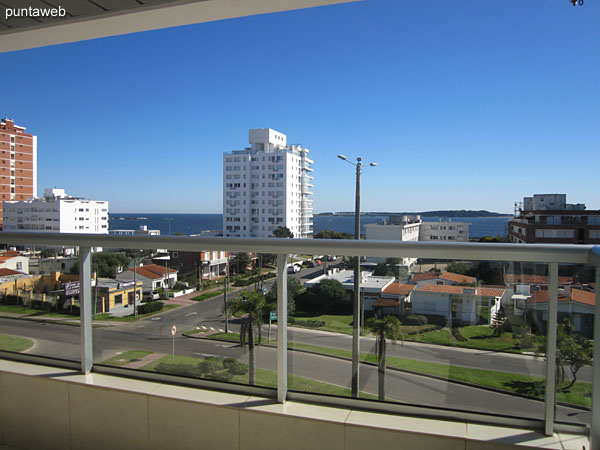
(63, 341)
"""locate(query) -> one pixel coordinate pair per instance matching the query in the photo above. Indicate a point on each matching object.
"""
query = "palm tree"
(386, 328)
(253, 305)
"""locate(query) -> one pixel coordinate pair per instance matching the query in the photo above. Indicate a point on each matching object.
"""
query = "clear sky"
(463, 104)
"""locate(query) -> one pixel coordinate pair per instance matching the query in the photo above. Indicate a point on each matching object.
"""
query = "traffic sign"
(273, 315)
(264, 291)
(173, 330)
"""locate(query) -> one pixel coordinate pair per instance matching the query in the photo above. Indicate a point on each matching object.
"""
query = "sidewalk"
(144, 361)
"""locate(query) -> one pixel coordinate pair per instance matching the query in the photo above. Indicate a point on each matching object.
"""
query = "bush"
(235, 367)
(184, 370)
(309, 323)
(12, 299)
(414, 320)
(38, 304)
(146, 308)
(210, 365)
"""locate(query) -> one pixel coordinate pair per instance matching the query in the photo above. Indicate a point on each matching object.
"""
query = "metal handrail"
(543, 253)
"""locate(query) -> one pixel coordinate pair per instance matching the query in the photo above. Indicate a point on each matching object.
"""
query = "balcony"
(432, 411)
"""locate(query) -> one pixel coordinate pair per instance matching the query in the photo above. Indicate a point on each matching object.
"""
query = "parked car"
(331, 258)
(151, 296)
(293, 268)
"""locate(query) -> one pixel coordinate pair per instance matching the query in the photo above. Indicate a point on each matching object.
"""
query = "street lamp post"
(356, 293)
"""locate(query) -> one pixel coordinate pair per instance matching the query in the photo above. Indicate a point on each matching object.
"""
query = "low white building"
(399, 228)
(14, 261)
(143, 231)
(445, 230)
(463, 304)
(56, 212)
(41, 266)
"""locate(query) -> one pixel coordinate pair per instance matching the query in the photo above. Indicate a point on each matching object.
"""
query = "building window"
(119, 299)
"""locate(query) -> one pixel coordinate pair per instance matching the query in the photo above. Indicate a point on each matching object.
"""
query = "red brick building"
(18, 163)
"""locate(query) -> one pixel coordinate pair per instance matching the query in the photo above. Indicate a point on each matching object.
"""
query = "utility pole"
(356, 300)
(225, 310)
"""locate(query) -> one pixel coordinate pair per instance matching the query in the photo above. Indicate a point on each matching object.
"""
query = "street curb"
(412, 372)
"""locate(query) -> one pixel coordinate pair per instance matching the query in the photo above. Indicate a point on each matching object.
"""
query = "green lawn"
(20, 309)
(580, 393)
(132, 318)
(14, 343)
(479, 337)
(267, 378)
(125, 358)
(207, 295)
(335, 323)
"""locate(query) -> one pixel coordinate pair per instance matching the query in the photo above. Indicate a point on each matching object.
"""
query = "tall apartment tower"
(18, 163)
(266, 186)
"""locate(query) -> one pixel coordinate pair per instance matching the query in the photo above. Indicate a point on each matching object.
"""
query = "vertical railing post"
(551, 349)
(282, 312)
(85, 308)
(595, 429)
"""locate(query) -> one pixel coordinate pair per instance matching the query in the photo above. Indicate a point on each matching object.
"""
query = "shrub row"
(308, 323)
(211, 368)
(254, 279)
(146, 308)
(414, 320)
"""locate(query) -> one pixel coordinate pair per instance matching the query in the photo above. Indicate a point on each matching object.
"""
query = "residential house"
(153, 276)
(207, 265)
(442, 278)
(15, 261)
(394, 299)
(574, 304)
(467, 305)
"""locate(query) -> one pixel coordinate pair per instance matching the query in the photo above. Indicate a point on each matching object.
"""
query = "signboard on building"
(72, 288)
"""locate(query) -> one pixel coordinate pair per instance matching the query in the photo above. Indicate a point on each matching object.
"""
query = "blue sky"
(464, 105)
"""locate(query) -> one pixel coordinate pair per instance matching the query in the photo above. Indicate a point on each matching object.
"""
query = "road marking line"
(222, 331)
(212, 329)
(155, 318)
(191, 314)
(203, 327)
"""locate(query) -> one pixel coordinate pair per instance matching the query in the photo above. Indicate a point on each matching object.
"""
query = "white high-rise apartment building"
(266, 186)
(56, 213)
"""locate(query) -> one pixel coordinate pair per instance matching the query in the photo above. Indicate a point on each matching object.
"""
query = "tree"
(329, 234)
(240, 262)
(573, 351)
(48, 252)
(253, 305)
(386, 328)
(327, 293)
(105, 264)
(382, 270)
(349, 262)
(294, 288)
(282, 232)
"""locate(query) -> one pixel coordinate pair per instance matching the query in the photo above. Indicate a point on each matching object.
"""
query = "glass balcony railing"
(492, 333)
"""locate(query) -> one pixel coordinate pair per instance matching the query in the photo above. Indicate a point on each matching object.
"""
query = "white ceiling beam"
(147, 18)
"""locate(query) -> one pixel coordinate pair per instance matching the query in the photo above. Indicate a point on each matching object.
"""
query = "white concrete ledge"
(50, 408)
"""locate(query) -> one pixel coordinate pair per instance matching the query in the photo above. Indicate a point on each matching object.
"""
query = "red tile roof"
(9, 272)
(482, 291)
(152, 271)
(399, 289)
(577, 295)
(425, 276)
(11, 253)
(6, 258)
(457, 278)
(448, 276)
(512, 278)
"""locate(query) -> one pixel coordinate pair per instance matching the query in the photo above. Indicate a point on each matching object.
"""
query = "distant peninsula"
(441, 213)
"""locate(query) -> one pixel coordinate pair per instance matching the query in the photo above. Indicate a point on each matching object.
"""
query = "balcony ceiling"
(90, 19)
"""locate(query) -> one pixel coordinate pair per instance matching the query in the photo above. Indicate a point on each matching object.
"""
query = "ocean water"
(195, 223)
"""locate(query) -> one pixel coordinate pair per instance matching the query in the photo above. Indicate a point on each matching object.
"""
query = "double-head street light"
(356, 293)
